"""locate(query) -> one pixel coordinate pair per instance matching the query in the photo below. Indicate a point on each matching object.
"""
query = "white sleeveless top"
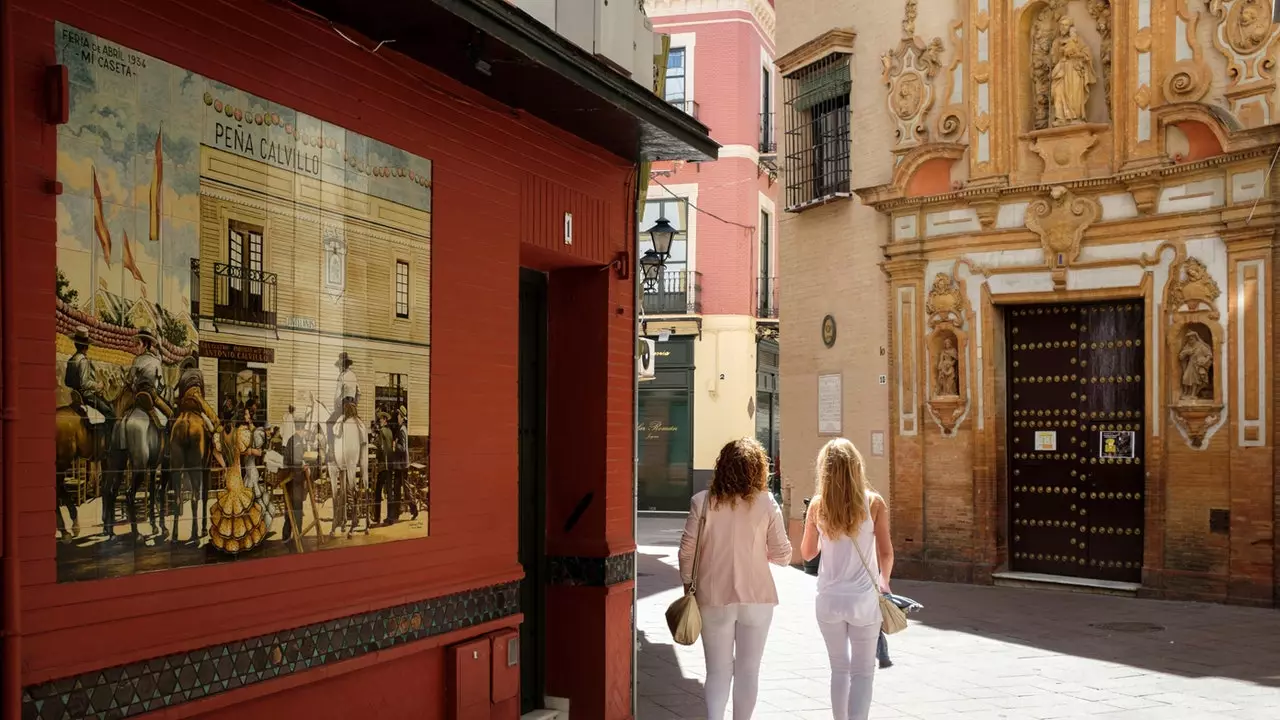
(846, 593)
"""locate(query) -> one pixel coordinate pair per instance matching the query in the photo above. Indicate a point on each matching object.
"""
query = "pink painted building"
(714, 311)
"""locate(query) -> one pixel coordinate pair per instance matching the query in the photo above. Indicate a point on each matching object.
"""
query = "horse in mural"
(350, 452)
(81, 434)
(137, 449)
(191, 451)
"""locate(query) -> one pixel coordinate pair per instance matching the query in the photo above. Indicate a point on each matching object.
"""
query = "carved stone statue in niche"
(947, 346)
(1072, 75)
(1194, 338)
(1196, 357)
(948, 369)
(1050, 41)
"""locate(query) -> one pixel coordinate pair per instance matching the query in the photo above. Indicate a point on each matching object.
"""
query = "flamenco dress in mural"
(239, 520)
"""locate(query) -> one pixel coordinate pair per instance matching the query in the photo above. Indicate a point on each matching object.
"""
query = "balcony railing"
(768, 139)
(244, 296)
(195, 288)
(690, 107)
(767, 298)
(678, 292)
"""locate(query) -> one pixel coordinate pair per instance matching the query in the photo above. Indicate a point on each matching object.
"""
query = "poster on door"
(1115, 444)
(243, 313)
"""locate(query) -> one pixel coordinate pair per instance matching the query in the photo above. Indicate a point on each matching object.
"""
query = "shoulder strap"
(697, 545)
(875, 582)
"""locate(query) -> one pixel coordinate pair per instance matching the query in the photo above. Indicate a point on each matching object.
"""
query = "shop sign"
(243, 353)
(654, 429)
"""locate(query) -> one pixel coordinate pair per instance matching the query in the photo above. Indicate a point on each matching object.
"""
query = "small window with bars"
(817, 132)
(402, 289)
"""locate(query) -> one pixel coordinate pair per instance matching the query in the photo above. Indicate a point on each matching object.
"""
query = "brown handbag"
(683, 617)
(892, 618)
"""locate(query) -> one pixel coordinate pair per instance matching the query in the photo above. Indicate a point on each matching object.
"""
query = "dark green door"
(533, 485)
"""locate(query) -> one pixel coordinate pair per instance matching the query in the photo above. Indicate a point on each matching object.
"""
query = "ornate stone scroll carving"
(947, 345)
(909, 70)
(952, 118)
(1060, 220)
(1194, 338)
(1247, 38)
(1189, 78)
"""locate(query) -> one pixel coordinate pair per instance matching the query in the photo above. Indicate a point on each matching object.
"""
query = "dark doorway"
(1076, 429)
(533, 485)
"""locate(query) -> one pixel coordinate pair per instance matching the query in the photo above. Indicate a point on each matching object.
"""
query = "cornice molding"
(761, 10)
(889, 197)
(832, 41)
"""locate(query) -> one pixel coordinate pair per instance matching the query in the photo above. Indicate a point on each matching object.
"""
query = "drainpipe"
(11, 663)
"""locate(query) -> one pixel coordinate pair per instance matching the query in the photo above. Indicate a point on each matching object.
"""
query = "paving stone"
(986, 653)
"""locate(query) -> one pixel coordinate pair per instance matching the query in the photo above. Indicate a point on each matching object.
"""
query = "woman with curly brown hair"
(743, 532)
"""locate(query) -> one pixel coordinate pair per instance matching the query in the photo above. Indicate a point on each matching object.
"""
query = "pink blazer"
(738, 544)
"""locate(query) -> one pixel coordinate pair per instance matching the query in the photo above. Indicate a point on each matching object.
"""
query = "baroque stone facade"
(1116, 185)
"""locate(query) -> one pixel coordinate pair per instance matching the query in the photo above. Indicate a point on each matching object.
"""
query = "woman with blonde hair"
(743, 532)
(848, 522)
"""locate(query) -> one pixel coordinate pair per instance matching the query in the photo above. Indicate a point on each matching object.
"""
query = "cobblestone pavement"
(984, 652)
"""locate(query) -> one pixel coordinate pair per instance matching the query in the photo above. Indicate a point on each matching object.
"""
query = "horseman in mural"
(138, 434)
(349, 444)
(191, 444)
(82, 425)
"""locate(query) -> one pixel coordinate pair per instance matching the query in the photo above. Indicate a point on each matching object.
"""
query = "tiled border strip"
(591, 571)
(129, 690)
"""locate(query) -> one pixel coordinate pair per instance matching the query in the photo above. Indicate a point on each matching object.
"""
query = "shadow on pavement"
(1192, 640)
(664, 692)
(654, 576)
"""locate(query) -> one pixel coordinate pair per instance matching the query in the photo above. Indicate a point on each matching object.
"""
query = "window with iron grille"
(816, 111)
(402, 289)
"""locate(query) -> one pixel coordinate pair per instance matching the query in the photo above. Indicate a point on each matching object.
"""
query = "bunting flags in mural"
(100, 221)
(157, 188)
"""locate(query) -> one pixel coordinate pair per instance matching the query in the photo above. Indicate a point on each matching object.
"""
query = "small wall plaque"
(828, 331)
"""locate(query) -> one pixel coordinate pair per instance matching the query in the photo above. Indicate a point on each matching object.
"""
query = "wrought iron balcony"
(690, 107)
(678, 292)
(768, 144)
(243, 296)
(767, 298)
(195, 288)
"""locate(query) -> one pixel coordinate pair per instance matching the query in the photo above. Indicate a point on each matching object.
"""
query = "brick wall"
(483, 157)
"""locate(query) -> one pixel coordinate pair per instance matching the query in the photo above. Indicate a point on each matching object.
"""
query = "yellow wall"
(728, 348)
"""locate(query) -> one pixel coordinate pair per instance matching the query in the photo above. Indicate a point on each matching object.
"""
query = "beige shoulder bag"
(683, 617)
(892, 618)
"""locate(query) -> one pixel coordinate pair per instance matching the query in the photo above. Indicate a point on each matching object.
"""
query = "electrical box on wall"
(468, 680)
(506, 666)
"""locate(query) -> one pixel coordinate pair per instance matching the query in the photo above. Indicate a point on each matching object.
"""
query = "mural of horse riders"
(83, 427)
(349, 444)
(137, 445)
(191, 448)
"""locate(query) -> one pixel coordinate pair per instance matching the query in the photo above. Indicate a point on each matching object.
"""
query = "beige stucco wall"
(727, 349)
(830, 255)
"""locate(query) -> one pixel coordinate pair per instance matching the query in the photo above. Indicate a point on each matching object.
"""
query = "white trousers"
(733, 638)
(852, 649)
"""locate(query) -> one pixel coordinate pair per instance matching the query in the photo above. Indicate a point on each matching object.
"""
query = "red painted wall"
(502, 183)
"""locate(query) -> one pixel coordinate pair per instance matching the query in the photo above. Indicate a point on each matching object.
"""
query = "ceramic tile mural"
(243, 319)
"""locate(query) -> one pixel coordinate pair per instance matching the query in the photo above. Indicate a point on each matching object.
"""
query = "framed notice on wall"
(830, 404)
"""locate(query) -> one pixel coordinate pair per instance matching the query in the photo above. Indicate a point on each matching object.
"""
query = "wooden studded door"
(1076, 439)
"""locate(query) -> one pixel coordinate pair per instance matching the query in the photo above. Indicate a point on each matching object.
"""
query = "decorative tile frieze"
(591, 571)
(136, 688)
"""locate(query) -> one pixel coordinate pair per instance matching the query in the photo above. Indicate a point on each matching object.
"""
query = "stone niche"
(947, 348)
(1193, 356)
(1063, 93)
